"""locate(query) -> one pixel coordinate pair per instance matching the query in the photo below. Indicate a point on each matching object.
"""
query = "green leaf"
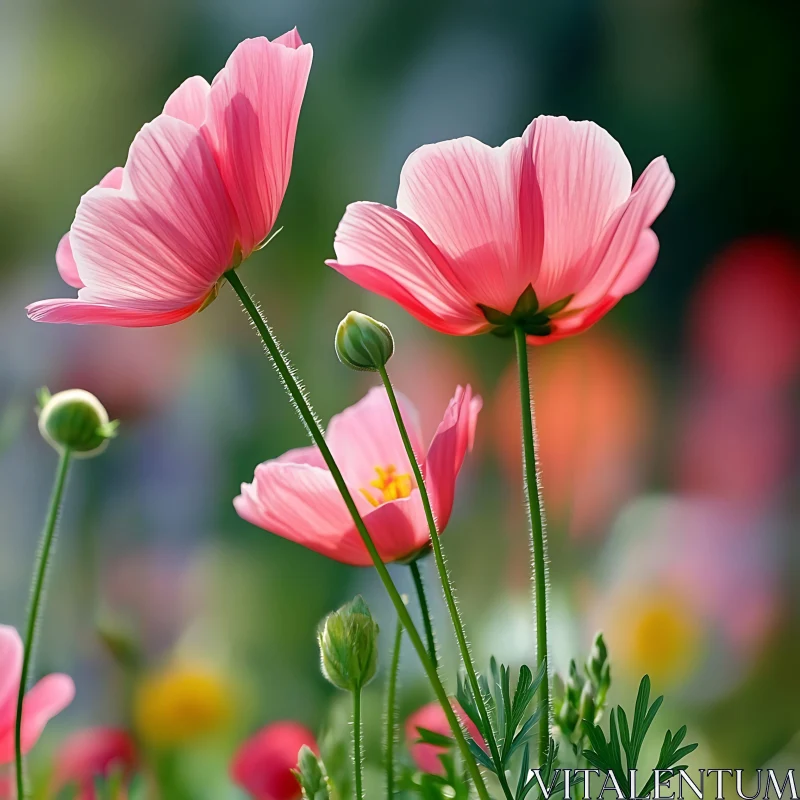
(434, 737)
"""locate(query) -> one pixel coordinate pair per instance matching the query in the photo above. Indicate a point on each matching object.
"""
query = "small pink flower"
(476, 226)
(47, 698)
(201, 189)
(263, 764)
(432, 718)
(90, 754)
(295, 496)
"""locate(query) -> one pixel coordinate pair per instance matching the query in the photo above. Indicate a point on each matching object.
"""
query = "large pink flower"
(263, 764)
(201, 189)
(90, 754)
(476, 227)
(295, 495)
(47, 698)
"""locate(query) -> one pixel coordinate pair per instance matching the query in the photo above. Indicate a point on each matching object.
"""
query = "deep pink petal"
(79, 312)
(385, 252)
(399, 528)
(65, 262)
(583, 176)
(11, 651)
(93, 753)
(189, 102)
(365, 436)
(481, 206)
(455, 435)
(254, 106)
(48, 697)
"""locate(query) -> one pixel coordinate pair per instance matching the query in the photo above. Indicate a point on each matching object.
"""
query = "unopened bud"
(574, 684)
(587, 708)
(75, 420)
(348, 646)
(567, 718)
(363, 343)
(311, 775)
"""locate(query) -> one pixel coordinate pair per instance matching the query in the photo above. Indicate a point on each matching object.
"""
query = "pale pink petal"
(48, 697)
(11, 651)
(254, 106)
(289, 39)
(365, 436)
(113, 179)
(616, 249)
(79, 312)
(385, 252)
(481, 206)
(167, 235)
(303, 455)
(399, 528)
(454, 437)
(638, 266)
(189, 102)
(583, 176)
(301, 503)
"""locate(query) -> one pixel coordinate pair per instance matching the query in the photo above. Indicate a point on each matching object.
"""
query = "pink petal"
(432, 718)
(455, 435)
(189, 102)
(365, 436)
(616, 250)
(385, 252)
(289, 39)
(254, 106)
(482, 207)
(65, 262)
(638, 266)
(113, 179)
(303, 455)
(301, 503)
(93, 753)
(46, 699)
(583, 176)
(399, 528)
(80, 312)
(11, 651)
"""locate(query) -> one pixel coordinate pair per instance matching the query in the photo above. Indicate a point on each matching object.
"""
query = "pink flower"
(201, 189)
(476, 226)
(93, 753)
(263, 764)
(432, 718)
(295, 495)
(47, 698)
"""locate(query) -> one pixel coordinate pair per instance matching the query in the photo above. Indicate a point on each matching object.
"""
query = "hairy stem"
(538, 535)
(357, 760)
(425, 611)
(391, 710)
(37, 593)
(306, 413)
(447, 586)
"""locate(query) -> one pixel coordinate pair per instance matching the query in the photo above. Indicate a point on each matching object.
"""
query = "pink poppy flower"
(263, 764)
(90, 754)
(476, 227)
(432, 718)
(200, 191)
(47, 698)
(295, 496)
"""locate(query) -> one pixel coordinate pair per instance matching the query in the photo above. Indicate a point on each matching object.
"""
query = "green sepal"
(525, 314)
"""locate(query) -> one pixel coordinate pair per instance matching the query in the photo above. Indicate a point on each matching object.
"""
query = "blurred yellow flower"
(180, 704)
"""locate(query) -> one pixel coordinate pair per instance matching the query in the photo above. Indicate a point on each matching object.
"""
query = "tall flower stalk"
(425, 611)
(538, 535)
(306, 413)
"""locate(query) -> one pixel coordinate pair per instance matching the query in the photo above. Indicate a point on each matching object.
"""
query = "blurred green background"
(669, 432)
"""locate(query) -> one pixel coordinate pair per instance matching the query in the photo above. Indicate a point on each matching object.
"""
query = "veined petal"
(168, 234)
(11, 651)
(584, 177)
(289, 39)
(81, 312)
(481, 206)
(399, 528)
(303, 455)
(382, 250)
(254, 105)
(189, 102)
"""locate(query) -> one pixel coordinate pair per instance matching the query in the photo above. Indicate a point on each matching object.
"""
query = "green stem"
(538, 535)
(391, 709)
(37, 592)
(357, 764)
(306, 413)
(425, 611)
(447, 586)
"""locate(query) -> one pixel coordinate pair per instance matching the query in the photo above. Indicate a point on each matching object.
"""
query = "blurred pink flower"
(263, 764)
(476, 226)
(51, 695)
(93, 753)
(432, 718)
(743, 323)
(201, 189)
(295, 496)
(594, 413)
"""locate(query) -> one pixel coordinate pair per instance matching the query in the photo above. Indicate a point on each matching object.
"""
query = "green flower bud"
(587, 708)
(363, 343)
(597, 657)
(75, 420)
(348, 646)
(567, 718)
(311, 775)
(574, 684)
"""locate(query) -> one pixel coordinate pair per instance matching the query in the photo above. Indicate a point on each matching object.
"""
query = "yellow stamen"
(391, 484)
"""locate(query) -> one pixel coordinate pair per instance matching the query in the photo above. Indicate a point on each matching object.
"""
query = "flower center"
(391, 484)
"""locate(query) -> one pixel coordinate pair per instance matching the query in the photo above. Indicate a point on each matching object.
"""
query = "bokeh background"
(669, 433)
